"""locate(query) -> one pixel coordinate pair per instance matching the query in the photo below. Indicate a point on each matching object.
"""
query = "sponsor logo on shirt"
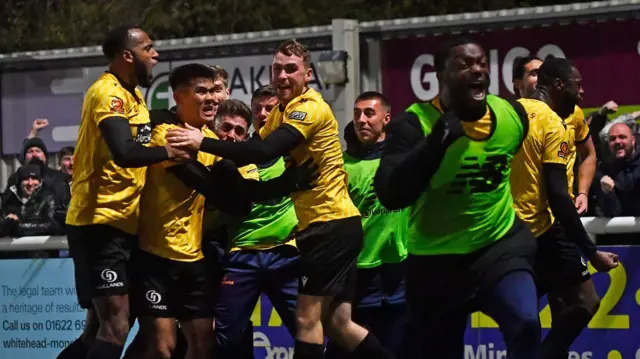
(298, 115)
(375, 212)
(154, 298)
(110, 277)
(480, 175)
(369, 204)
(143, 135)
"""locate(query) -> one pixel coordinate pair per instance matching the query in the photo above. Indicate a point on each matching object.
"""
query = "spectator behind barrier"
(619, 179)
(617, 189)
(34, 151)
(29, 209)
(65, 161)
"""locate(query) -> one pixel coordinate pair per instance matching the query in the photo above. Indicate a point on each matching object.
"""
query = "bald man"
(619, 179)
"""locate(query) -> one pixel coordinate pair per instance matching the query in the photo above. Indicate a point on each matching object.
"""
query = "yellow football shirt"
(578, 131)
(478, 130)
(547, 142)
(170, 212)
(312, 116)
(102, 192)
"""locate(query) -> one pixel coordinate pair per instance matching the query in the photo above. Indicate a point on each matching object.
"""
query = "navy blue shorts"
(246, 275)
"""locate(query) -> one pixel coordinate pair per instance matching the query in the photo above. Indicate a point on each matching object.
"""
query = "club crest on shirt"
(298, 115)
(564, 150)
(117, 106)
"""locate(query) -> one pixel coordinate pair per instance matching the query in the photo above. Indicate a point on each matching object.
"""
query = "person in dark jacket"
(28, 208)
(34, 151)
(618, 192)
(618, 182)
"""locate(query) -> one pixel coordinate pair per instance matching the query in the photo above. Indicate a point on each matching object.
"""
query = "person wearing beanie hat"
(28, 209)
(30, 171)
(34, 151)
(34, 147)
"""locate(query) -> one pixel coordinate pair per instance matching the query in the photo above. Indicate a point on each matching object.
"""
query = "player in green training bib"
(379, 302)
(448, 161)
(261, 255)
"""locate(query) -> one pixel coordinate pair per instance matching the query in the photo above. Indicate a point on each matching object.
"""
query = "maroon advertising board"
(606, 53)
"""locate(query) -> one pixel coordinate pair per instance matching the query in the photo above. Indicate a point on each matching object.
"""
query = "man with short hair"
(221, 90)
(171, 277)
(525, 78)
(261, 255)
(233, 124)
(109, 173)
(542, 201)
(448, 160)
(65, 161)
(330, 235)
(380, 300)
(263, 101)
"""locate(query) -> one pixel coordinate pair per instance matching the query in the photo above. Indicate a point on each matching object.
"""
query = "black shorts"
(559, 264)
(164, 288)
(328, 257)
(441, 284)
(101, 256)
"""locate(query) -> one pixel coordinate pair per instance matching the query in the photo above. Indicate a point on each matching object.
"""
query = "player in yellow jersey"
(171, 278)
(539, 188)
(109, 172)
(330, 236)
(525, 77)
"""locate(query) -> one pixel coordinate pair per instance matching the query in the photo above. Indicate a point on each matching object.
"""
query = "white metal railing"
(35, 243)
(593, 225)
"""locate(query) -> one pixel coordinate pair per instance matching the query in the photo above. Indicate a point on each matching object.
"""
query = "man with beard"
(525, 78)
(448, 161)
(330, 233)
(110, 168)
(539, 187)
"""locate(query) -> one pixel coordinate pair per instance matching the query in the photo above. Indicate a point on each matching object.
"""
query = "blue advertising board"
(39, 315)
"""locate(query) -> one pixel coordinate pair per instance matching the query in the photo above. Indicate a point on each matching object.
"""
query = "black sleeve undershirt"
(126, 153)
(194, 175)
(406, 165)
(555, 177)
(279, 143)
